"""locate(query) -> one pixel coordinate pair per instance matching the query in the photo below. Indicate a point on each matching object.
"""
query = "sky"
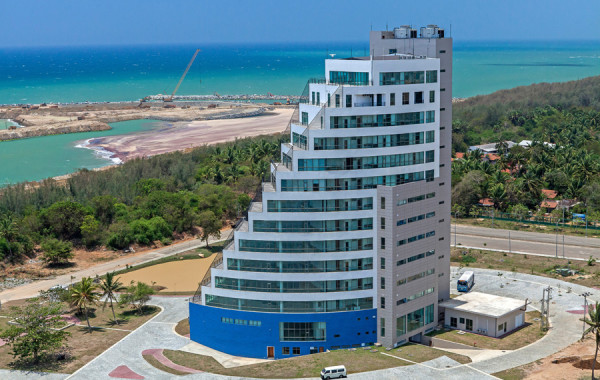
(125, 22)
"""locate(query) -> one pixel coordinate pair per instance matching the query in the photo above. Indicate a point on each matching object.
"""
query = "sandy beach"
(184, 135)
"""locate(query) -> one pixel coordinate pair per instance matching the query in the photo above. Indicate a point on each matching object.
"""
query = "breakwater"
(54, 129)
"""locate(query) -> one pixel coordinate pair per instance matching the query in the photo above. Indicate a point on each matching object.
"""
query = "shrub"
(57, 251)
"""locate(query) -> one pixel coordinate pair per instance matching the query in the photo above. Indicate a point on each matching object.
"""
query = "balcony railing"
(370, 104)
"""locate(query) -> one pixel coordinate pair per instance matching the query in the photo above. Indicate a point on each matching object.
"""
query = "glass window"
(405, 98)
(383, 263)
(337, 100)
(392, 99)
(469, 325)
(431, 76)
(382, 305)
(392, 51)
(429, 156)
(348, 77)
(414, 320)
(382, 223)
(429, 314)
(306, 246)
(301, 331)
(461, 320)
(312, 97)
(382, 245)
(432, 96)
(401, 326)
(382, 323)
(348, 101)
(453, 322)
(285, 350)
(304, 118)
(333, 184)
(383, 203)
(296, 350)
(419, 97)
(382, 283)
(289, 306)
(430, 116)
(395, 78)
(429, 137)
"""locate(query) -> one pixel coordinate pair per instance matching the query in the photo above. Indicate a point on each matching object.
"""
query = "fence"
(538, 220)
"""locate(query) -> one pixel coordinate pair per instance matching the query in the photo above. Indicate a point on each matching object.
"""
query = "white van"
(336, 372)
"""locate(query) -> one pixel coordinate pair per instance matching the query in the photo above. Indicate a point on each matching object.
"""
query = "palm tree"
(85, 293)
(594, 328)
(109, 286)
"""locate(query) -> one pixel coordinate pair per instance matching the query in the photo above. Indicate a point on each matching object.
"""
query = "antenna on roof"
(386, 26)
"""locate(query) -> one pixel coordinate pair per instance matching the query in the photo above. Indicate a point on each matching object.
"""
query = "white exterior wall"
(314, 130)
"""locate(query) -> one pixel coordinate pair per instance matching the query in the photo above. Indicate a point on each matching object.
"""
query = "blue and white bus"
(466, 281)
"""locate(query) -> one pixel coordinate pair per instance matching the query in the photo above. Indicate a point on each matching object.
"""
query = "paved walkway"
(158, 333)
(546, 244)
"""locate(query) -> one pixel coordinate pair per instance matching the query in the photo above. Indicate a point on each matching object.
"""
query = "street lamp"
(585, 296)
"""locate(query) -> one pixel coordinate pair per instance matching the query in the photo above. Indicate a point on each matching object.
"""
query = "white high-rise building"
(350, 242)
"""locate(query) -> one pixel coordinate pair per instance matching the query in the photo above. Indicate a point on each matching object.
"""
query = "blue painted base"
(250, 334)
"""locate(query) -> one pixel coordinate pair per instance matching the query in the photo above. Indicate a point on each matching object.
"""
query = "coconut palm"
(594, 328)
(110, 286)
(84, 294)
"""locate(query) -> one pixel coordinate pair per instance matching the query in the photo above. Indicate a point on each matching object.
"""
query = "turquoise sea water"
(130, 73)
(49, 156)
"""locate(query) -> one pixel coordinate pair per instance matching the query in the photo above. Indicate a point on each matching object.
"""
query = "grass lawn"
(183, 327)
(520, 338)
(83, 345)
(536, 265)
(357, 361)
(420, 353)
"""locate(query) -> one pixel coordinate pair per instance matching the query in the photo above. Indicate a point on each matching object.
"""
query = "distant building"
(527, 144)
(549, 194)
(490, 148)
(484, 314)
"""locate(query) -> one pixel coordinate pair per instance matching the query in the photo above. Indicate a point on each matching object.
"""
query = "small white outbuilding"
(484, 314)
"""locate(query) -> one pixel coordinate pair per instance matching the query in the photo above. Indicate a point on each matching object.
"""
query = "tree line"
(143, 201)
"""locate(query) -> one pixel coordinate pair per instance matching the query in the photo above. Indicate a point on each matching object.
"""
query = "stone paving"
(158, 333)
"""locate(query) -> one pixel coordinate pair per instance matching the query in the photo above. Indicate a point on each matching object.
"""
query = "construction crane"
(170, 98)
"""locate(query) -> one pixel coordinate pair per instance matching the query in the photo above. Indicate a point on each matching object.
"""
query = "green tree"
(104, 208)
(110, 286)
(84, 294)
(137, 295)
(56, 251)
(519, 211)
(466, 192)
(8, 230)
(64, 219)
(36, 331)
(119, 235)
(210, 224)
(594, 328)
(91, 231)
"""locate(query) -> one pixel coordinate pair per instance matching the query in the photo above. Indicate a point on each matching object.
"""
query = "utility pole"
(509, 244)
(455, 219)
(556, 239)
(585, 296)
(545, 310)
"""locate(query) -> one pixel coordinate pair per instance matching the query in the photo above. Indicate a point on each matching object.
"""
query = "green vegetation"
(84, 294)
(593, 323)
(110, 286)
(565, 114)
(143, 201)
(37, 332)
(359, 360)
(137, 295)
(522, 337)
(548, 112)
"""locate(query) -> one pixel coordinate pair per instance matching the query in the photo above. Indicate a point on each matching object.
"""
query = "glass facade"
(354, 163)
(418, 198)
(430, 116)
(302, 331)
(305, 246)
(412, 219)
(287, 161)
(366, 142)
(289, 306)
(318, 205)
(313, 225)
(401, 325)
(415, 320)
(299, 140)
(348, 77)
(412, 239)
(415, 296)
(431, 76)
(353, 183)
(415, 257)
(407, 77)
(415, 277)
(247, 285)
(372, 121)
(300, 266)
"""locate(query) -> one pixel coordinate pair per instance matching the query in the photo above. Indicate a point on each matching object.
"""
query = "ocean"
(78, 74)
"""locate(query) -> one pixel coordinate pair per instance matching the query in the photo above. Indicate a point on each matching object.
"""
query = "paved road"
(33, 289)
(525, 242)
